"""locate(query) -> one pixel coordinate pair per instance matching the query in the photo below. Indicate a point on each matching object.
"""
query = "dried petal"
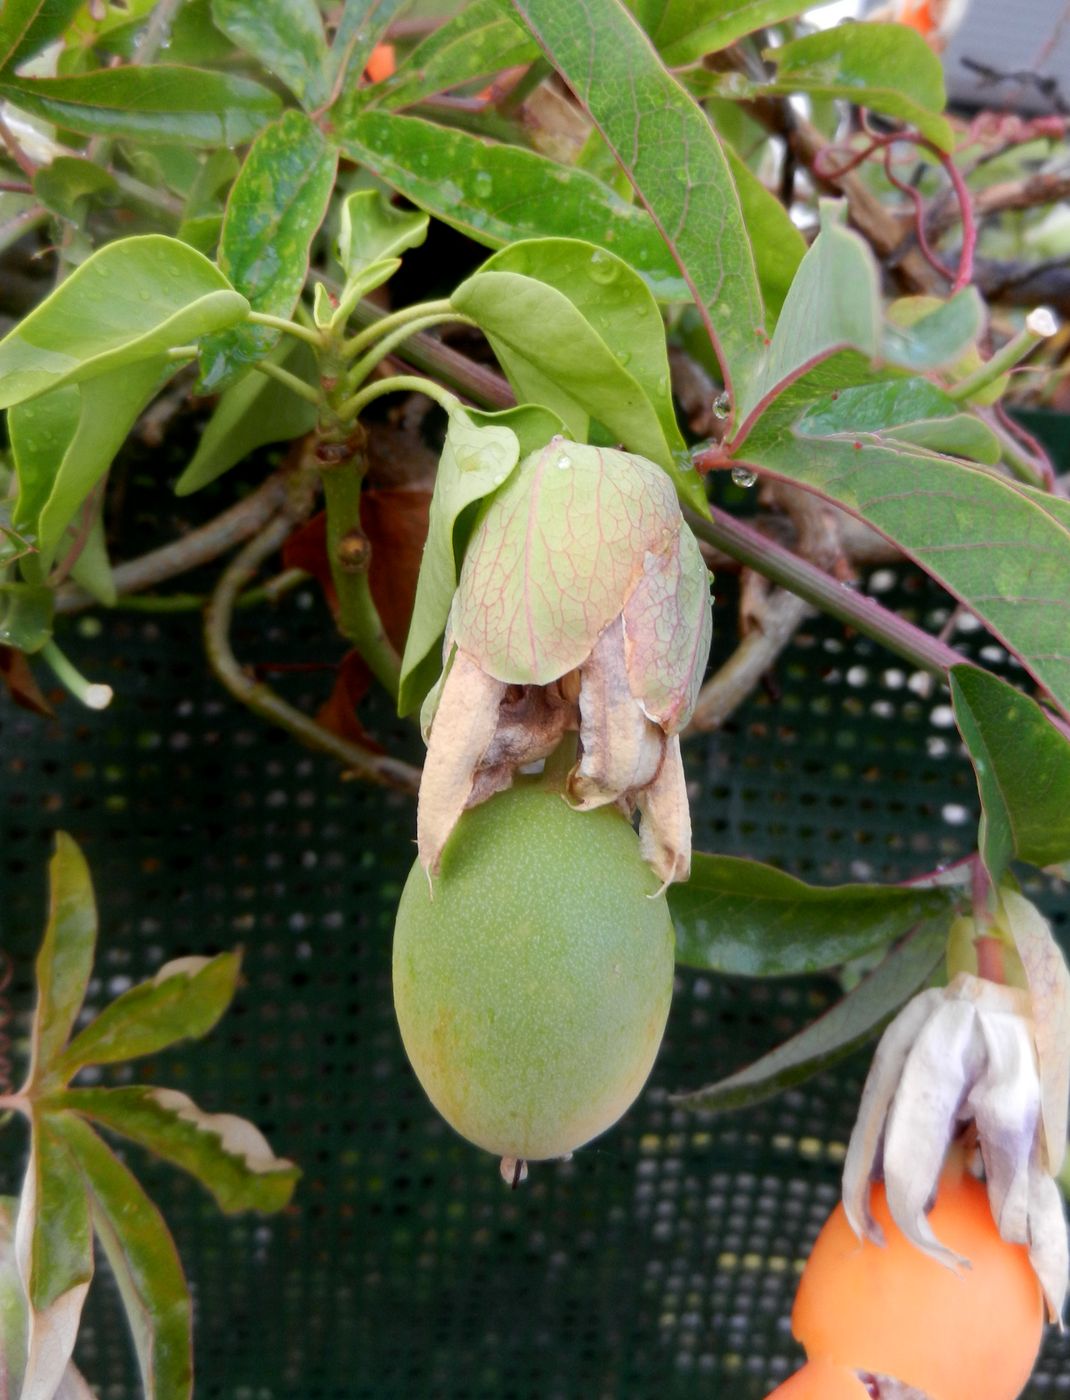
(861, 1163)
(556, 555)
(622, 750)
(532, 721)
(463, 730)
(668, 627)
(1049, 1250)
(665, 829)
(946, 1058)
(1049, 992)
(1004, 1103)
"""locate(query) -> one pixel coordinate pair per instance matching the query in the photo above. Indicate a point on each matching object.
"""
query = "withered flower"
(958, 1060)
(583, 605)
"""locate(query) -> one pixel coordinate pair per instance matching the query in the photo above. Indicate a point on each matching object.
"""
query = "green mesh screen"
(663, 1259)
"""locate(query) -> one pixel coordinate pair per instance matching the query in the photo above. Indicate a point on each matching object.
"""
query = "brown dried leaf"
(16, 675)
(665, 829)
(339, 712)
(622, 750)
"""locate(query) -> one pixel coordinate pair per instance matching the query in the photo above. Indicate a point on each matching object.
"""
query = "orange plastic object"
(380, 63)
(894, 1311)
(821, 1380)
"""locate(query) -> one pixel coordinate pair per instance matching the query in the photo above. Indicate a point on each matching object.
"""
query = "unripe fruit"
(894, 1311)
(532, 988)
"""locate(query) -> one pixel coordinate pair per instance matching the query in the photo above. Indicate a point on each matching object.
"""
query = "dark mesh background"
(662, 1260)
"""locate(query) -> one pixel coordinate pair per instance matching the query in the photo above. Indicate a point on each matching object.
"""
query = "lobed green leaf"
(747, 919)
(1022, 763)
(846, 1026)
(65, 961)
(182, 1002)
(144, 1261)
(226, 1154)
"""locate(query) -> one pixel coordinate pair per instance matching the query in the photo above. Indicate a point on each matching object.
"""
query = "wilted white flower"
(961, 1055)
(583, 605)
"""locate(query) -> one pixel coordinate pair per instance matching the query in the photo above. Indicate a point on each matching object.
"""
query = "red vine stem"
(885, 141)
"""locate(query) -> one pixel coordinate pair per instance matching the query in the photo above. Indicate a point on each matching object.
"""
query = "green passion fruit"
(532, 984)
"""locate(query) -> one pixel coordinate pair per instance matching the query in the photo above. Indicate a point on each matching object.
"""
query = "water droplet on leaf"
(483, 183)
(722, 406)
(602, 267)
(563, 463)
(743, 476)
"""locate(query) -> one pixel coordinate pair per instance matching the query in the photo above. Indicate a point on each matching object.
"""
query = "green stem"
(299, 387)
(379, 351)
(358, 617)
(385, 325)
(281, 323)
(93, 696)
(182, 352)
(1039, 325)
(260, 698)
(269, 592)
(396, 384)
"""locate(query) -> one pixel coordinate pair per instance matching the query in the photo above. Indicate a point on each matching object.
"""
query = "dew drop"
(563, 463)
(623, 356)
(743, 476)
(483, 183)
(602, 267)
(683, 460)
(722, 406)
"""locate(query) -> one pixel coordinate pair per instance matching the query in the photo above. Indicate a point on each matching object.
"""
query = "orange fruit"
(821, 1380)
(894, 1311)
(381, 63)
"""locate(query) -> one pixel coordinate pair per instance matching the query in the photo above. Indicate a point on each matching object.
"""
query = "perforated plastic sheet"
(662, 1260)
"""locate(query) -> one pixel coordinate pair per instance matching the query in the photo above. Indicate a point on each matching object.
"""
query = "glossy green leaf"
(28, 26)
(833, 308)
(1022, 763)
(750, 920)
(155, 103)
(92, 570)
(672, 155)
(888, 68)
(144, 1261)
(688, 29)
(25, 615)
(65, 962)
(498, 194)
(576, 329)
(908, 410)
(253, 413)
(132, 300)
(360, 27)
(285, 37)
(14, 1312)
(778, 245)
(226, 1154)
(372, 230)
(65, 441)
(846, 1026)
(69, 183)
(480, 40)
(475, 461)
(275, 209)
(986, 541)
(182, 1002)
